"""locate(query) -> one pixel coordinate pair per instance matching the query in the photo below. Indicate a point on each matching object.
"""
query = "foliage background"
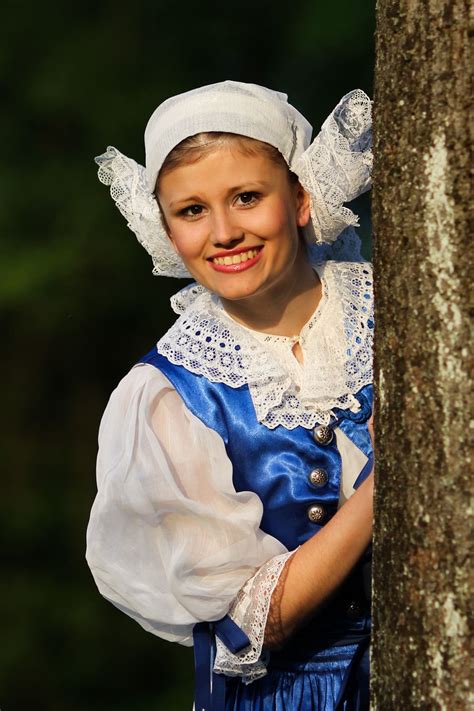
(79, 304)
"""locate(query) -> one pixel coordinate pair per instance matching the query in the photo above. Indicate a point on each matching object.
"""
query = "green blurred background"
(80, 305)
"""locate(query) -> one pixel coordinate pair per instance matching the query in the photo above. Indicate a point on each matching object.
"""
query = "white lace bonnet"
(333, 169)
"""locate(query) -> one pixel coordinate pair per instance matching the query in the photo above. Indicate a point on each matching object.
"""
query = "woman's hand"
(370, 425)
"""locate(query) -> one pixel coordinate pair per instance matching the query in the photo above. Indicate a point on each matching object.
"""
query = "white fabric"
(170, 542)
(334, 169)
(230, 106)
(337, 342)
(337, 166)
(353, 461)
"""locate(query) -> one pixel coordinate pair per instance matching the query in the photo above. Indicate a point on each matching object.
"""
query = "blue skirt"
(323, 667)
(312, 685)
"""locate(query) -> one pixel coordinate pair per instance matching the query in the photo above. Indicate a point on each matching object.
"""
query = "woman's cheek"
(266, 223)
(187, 240)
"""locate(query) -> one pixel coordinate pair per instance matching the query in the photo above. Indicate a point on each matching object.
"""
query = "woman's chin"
(236, 293)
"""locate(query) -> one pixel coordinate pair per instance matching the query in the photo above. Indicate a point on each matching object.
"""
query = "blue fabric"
(275, 464)
(310, 686)
(203, 663)
(333, 678)
(210, 688)
(283, 458)
(231, 635)
(355, 690)
(354, 425)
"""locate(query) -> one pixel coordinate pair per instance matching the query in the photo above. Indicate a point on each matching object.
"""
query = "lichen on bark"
(422, 258)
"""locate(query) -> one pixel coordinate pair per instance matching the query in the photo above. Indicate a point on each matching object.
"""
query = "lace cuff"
(250, 611)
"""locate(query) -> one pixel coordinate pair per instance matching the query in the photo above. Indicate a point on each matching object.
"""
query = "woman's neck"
(284, 309)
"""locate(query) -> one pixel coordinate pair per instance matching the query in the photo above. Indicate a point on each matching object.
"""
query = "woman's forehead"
(234, 147)
(225, 168)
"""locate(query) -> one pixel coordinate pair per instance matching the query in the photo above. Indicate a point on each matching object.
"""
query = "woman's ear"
(170, 237)
(303, 211)
(168, 233)
(165, 224)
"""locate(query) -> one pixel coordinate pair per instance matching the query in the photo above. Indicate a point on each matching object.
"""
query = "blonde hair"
(193, 148)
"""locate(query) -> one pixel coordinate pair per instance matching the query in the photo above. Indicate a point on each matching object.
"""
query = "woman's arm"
(320, 565)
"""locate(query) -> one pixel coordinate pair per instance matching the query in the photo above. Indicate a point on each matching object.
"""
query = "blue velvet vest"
(276, 464)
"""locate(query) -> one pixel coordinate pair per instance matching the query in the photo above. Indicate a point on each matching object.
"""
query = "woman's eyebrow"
(245, 186)
(235, 189)
(191, 198)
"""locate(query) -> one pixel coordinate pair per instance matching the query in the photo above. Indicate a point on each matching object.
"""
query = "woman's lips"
(237, 261)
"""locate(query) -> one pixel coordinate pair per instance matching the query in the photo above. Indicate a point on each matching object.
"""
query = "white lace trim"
(333, 170)
(338, 350)
(250, 611)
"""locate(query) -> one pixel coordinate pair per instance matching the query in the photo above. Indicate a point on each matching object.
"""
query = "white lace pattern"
(337, 345)
(336, 167)
(250, 611)
(129, 190)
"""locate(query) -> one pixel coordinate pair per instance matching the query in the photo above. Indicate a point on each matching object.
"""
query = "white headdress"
(333, 169)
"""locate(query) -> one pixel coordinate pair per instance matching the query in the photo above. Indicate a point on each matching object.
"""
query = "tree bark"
(423, 258)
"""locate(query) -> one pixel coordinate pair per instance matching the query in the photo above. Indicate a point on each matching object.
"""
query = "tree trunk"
(422, 539)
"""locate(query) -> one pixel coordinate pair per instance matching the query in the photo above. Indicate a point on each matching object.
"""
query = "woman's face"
(233, 218)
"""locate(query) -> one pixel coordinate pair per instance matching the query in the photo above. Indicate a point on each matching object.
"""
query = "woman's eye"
(247, 198)
(191, 211)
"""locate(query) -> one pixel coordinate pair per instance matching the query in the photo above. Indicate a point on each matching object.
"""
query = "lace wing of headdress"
(130, 192)
(336, 167)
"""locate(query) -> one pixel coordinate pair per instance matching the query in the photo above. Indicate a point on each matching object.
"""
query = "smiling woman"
(234, 504)
(239, 235)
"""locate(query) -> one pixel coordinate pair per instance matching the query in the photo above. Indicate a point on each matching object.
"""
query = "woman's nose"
(224, 231)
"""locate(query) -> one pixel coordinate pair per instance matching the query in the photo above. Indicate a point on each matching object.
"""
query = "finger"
(370, 425)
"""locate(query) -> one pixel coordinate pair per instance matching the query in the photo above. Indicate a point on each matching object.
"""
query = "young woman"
(235, 480)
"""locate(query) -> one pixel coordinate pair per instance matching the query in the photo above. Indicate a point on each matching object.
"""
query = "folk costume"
(220, 453)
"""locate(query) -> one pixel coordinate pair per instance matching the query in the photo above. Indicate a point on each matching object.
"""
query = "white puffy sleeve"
(170, 542)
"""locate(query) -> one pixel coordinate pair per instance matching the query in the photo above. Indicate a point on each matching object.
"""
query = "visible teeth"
(236, 258)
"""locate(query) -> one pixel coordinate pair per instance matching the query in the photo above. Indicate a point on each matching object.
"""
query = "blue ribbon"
(209, 688)
(231, 634)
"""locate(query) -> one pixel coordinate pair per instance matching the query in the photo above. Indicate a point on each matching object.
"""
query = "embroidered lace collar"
(338, 349)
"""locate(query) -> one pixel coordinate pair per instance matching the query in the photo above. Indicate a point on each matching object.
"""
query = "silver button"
(316, 513)
(318, 477)
(353, 610)
(323, 435)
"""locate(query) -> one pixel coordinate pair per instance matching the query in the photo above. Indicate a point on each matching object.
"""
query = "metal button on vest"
(316, 513)
(353, 610)
(323, 435)
(318, 477)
